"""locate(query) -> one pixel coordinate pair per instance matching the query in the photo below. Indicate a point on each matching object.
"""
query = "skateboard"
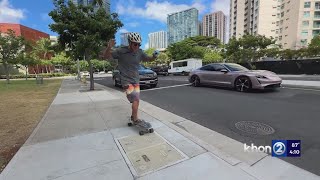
(142, 130)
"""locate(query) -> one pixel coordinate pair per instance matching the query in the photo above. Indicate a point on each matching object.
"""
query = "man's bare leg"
(135, 107)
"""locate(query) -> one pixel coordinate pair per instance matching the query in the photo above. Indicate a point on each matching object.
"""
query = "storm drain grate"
(255, 128)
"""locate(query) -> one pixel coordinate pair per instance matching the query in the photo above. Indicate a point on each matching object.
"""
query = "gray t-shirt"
(128, 64)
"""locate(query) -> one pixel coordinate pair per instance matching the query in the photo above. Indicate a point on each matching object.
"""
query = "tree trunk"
(46, 69)
(6, 68)
(88, 58)
(26, 72)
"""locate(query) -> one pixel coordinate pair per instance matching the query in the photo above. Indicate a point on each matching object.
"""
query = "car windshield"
(142, 67)
(236, 67)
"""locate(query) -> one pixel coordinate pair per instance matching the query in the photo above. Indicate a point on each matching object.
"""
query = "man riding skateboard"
(129, 58)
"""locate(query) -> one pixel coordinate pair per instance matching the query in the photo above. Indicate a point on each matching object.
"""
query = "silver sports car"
(234, 76)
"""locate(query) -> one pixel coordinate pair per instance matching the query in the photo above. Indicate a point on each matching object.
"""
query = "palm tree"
(42, 49)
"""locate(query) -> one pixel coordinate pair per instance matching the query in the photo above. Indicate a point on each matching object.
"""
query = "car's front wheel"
(195, 80)
(243, 84)
(153, 85)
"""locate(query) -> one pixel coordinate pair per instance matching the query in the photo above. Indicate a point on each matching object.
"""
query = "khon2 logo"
(279, 148)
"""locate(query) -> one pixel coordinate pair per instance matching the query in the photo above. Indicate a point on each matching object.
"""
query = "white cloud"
(10, 14)
(123, 30)
(155, 10)
(45, 16)
(146, 46)
(133, 24)
(221, 5)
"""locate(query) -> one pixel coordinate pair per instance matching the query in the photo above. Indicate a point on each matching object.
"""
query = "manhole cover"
(255, 128)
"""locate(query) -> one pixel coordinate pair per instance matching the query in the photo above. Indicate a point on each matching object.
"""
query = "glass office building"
(182, 25)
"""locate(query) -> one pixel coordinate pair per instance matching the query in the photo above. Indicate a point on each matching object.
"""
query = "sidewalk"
(84, 135)
(301, 84)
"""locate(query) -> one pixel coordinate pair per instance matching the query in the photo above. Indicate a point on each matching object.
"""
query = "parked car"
(185, 66)
(147, 77)
(234, 76)
(161, 70)
(84, 73)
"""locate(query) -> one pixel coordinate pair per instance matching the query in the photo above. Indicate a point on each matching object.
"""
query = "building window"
(306, 14)
(304, 42)
(282, 14)
(316, 24)
(280, 38)
(317, 5)
(317, 14)
(305, 23)
(304, 33)
(307, 4)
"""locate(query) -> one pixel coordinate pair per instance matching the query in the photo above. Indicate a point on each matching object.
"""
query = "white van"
(184, 66)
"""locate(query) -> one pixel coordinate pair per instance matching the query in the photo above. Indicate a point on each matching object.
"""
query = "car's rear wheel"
(195, 81)
(116, 83)
(243, 84)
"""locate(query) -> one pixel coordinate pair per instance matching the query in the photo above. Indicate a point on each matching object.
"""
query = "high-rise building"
(214, 25)
(292, 23)
(200, 28)
(182, 25)
(158, 40)
(105, 4)
(124, 39)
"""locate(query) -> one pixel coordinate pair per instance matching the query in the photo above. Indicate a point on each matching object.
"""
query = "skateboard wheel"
(130, 124)
(151, 130)
(141, 133)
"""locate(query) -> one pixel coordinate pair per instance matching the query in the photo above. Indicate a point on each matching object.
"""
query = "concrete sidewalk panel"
(117, 170)
(204, 167)
(101, 96)
(277, 169)
(115, 117)
(124, 131)
(110, 104)
(68, 98)
(188, 147)
(54, 159)
(224, 143)
(62, 127)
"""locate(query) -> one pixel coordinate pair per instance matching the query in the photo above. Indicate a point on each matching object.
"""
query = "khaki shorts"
(132, 91)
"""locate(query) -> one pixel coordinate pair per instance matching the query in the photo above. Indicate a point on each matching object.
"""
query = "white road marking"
(166, 87)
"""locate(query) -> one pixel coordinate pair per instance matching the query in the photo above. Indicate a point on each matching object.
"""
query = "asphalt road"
(292, 113)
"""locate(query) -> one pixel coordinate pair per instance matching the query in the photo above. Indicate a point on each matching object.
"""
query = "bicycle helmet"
(134, 37)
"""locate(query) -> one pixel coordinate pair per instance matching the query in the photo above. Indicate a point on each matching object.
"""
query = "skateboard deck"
(142, 130)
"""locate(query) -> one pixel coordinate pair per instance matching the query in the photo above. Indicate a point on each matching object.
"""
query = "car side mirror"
(224, 70)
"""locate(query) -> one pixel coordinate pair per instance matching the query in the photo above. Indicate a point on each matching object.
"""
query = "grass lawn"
(22, 105)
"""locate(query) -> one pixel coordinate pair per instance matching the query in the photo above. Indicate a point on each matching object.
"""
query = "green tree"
(26, 60)
(212, 57)
(10, 48)
(162, 59)
(85, 31)
(62, 60)
(43, 50)
(149, 51)
(204, 41)
(314, 46)
(248, 48)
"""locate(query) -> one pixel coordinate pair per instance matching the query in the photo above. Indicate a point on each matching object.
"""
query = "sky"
(143, 16)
